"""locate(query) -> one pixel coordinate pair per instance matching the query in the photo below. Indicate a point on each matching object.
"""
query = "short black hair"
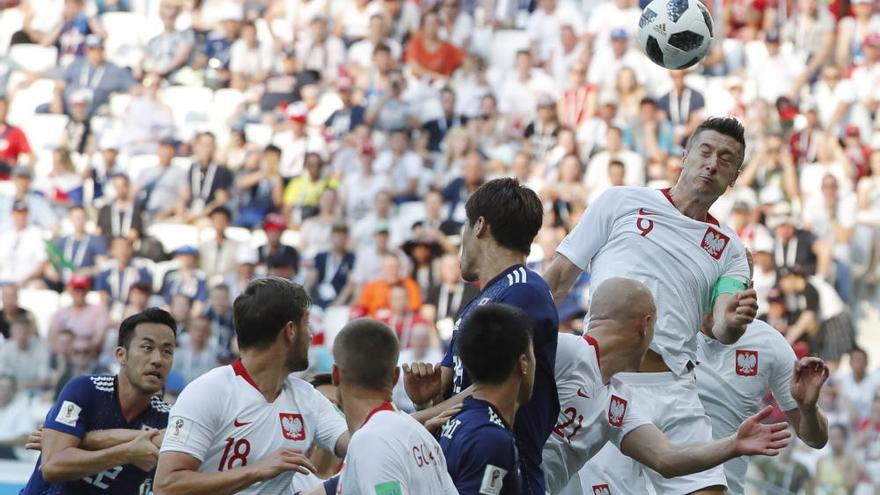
(149, 315)
(321, 379)
(514, 213)
(616, 163)
(221, 210)
(491, 339)
(265, 307)
(728, 126)
(272, 149)
(367, 351)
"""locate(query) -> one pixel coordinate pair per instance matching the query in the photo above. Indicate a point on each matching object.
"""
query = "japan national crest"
(292, 426)
(714, 242)
(746, 362)
(601, 490)
(616, 411)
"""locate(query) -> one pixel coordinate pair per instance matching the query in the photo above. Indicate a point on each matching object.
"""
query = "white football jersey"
(224, 421)
(591, 413)
(732, 381)
(393, 454)
(636, 232)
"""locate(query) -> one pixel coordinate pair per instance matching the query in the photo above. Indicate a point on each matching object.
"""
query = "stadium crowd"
(165, 153)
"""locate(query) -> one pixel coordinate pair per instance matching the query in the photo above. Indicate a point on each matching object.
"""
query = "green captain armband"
(726, 285)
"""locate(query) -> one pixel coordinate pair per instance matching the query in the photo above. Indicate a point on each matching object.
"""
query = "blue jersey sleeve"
(487, 464)
(70, 414)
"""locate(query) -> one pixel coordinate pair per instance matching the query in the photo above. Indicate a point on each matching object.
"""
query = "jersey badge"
(601, 490)
(493, 480)
(714, 242)
(292, 426)
(68, 414)
(616, 411)
(178, 429)
(746, 362)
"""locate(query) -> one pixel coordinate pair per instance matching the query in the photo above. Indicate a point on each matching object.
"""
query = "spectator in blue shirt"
(186, 280)
(94, 73)
(122, 414)
(115, 283)
(495, 347)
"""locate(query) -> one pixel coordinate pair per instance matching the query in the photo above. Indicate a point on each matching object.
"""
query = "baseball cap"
(298, 112)
(20, 205)
(22, 171)
(79, 282)
(94, 41)
(274, 222)
(619, 34)
(183, 250)
(344, 83)
(381, 226)
(741, 206)
(762, 244)
(81, 97)
(852, 131)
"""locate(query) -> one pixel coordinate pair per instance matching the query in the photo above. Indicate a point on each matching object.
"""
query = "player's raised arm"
(561, 276)
(732, 313)
(648, 445)
(64, 460)
(808, 420)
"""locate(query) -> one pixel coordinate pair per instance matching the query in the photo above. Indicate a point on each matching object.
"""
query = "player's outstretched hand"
(282, 461)
(809, 375)
(422, 381)
(142, 452)
(35, 440)
(741, 309)
(755, 438)
(439, 420)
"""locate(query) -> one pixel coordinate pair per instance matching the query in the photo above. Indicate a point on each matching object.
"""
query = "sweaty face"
(298, 356)
(147, 361)
(711, 164)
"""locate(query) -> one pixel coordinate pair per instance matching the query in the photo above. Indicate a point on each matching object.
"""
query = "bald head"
(366, 353)
(622, 299)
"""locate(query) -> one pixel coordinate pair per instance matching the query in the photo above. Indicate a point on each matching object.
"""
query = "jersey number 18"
(239, 450)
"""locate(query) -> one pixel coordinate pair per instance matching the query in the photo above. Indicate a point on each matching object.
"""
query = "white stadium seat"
(42, 303)
(34, 58)
(174, 235)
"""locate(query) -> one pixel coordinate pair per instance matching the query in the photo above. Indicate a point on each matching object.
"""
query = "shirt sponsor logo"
(746, 362)
(616, 411)
(68, 414)
(601, 490)
(493, 480)
(582, 393)
(292, 426)
(714, 242)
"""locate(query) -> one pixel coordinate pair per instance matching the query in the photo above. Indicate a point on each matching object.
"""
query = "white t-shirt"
(861, 394)
(21, 252)
(401, 169)
(223, 420)
(636, 232)
(544, 27)
(392, 453)
(591, 413)
(733, 379)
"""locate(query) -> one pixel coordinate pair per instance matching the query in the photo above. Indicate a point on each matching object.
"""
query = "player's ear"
(334, 375)
(121, 355)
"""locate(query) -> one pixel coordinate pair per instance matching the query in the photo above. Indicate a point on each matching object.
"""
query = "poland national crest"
(746, 362)
(714, 242)
(616, 411)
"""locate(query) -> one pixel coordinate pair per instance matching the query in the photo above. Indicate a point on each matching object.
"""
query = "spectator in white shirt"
(249, 61)
(456, 24)
(598, 179)
(519, 93)
(545, 24)
(857, 384)
(831, 216)
(402, 164)
(22, 250)
(16, 419)
(171, 49)
(321, 52)
(360, 55)
(26, 357)
(422, 349)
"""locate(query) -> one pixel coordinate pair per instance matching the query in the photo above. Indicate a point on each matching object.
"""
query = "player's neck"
(358, 403)
(132, 402)
(267, 369)
(503, 397)
(690, 205)
(497, 262)
(615, 352)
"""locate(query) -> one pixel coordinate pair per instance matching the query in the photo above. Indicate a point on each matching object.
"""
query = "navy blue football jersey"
(480, 449)
(520, 287)
(88, 403)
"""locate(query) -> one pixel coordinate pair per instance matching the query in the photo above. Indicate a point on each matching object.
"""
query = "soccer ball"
(675, 34)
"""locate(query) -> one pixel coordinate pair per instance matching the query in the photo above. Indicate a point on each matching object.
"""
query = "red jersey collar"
(385, 406)
(709, 217)
(590, 340)
(238, 368)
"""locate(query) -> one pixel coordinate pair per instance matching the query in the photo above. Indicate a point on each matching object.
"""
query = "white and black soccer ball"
(675, 34)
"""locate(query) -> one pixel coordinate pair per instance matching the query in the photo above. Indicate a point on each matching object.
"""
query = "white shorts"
(674, 407)
(735, 470)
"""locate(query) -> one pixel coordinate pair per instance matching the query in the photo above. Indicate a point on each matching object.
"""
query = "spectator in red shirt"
(430, 56)
(13, 144)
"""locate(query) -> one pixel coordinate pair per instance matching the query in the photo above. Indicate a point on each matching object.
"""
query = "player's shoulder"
(522, 283)
(762, 334)
(105, 384)
(574, 351)
(159, 406)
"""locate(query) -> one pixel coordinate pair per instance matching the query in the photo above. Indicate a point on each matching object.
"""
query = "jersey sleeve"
(71, 411)
(370, 468)
(592, 230)
(448, 358)
(192, 423)
(736, 268)
(633, 414)
(487, 463)
(331, 424)
(783, 369)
